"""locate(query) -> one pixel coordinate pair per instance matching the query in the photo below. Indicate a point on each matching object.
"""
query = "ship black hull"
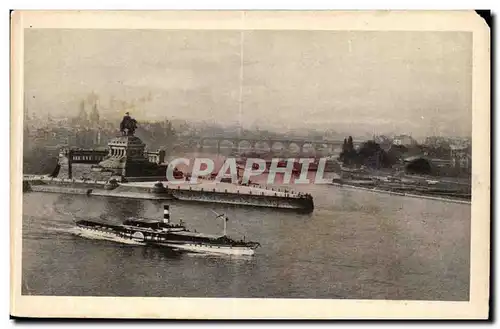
(182, 240)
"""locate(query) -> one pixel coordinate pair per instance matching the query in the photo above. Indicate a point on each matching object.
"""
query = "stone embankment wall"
(60, 185)
(405, 194)
(234, 198)
(87, 187)
(63, 182)
(60, 189)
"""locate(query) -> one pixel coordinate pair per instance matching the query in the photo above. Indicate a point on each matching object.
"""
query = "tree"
(397, 153)
(348, 155)
(372, 155)
(369, 154)
(350, 144)
(344, 146)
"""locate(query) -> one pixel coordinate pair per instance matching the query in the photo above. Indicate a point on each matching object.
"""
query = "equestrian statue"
(128, 125)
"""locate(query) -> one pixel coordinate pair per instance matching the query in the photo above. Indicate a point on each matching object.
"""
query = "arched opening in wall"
(294, 148)
(262, 147)
(208, 144)
(322, 149)
(278, 147)
(308, 149)
(226, 147)
(244, 146)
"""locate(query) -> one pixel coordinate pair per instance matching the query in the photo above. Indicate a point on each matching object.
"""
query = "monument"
(128, 125)
(127, 155)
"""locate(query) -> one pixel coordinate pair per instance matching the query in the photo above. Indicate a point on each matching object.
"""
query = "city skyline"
(421, 86)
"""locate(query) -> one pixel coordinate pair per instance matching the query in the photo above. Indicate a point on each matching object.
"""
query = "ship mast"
(225, 219)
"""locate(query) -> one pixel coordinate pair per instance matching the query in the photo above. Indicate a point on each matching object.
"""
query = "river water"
(356, 244)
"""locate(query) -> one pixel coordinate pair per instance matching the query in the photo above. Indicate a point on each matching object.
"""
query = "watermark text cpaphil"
(241, 172)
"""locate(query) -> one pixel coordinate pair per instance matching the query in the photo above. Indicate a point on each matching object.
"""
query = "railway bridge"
(250, 144)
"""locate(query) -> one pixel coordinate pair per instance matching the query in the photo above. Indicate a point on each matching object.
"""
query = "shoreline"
(205, 192)
(411, 195)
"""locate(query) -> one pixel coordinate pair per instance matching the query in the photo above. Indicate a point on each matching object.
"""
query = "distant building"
(441, 163)
(82, 118)
(384, 142)
(404, 140)
(437, 141)
(94, 116)
(461, 156)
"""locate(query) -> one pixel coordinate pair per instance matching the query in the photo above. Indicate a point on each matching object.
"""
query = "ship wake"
(209, 255)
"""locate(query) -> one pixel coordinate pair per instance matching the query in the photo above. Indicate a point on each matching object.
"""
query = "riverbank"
(412, 195)
(204, 191)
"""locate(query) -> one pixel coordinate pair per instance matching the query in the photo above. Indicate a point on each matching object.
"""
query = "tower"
(82, 114)
(94, 116)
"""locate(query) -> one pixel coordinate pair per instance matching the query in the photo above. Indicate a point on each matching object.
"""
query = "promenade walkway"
(208, 185)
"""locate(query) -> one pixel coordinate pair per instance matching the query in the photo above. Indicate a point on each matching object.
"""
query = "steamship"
(163, 233)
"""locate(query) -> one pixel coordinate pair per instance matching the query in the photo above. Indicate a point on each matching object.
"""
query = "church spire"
(94, 115)
(82, 115)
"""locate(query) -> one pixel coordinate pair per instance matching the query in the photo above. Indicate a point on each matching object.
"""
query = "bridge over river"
(300, 145)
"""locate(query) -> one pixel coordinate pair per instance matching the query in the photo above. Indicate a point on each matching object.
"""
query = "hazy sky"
(414, 82)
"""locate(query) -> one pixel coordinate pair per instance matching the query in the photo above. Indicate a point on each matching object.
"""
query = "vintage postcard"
(250, 164)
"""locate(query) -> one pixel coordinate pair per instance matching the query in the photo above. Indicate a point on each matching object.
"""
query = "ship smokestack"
(166, 214)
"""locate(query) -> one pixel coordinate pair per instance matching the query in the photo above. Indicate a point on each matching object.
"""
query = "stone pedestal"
(126, 157)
